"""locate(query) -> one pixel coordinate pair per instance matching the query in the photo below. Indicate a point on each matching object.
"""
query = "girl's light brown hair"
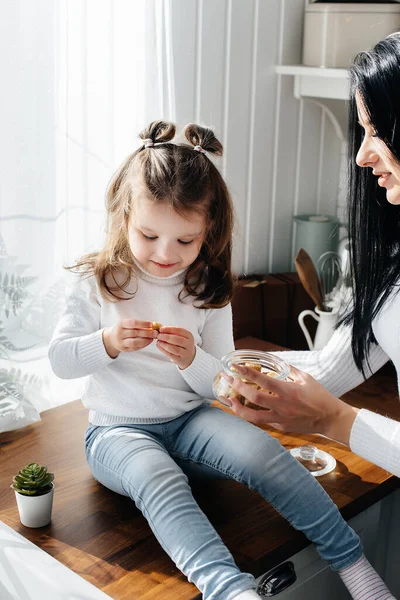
(188, 181)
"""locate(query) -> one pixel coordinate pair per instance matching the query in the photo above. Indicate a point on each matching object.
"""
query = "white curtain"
(80, 79)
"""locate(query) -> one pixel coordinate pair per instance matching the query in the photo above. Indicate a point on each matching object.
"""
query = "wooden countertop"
(104, 538)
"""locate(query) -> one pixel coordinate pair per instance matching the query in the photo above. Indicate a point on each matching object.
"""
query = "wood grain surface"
(104, 538)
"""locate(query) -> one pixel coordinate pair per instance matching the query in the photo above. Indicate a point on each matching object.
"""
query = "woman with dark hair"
(369, 333)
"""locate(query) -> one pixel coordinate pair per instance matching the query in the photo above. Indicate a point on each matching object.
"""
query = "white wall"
(82, 77)
(281, 155)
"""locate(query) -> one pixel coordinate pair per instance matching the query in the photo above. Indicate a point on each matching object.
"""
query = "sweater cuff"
(92, 352)
(376, 439)
(201, 372)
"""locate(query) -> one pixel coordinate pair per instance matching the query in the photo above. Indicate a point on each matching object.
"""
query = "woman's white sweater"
(373, 437)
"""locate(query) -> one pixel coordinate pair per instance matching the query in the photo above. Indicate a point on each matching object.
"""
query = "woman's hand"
(129, 335)
(178, 345)
(302, 405)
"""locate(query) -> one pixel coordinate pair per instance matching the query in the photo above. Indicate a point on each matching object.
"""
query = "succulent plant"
(33, 480)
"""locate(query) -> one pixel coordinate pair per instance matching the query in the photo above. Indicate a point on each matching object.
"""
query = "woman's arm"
(334, 365)
(377, 439)
(305, 406)
(76, 348)
(301, 405)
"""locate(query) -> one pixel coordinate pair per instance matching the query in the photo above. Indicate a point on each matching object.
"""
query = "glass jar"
(265, 362)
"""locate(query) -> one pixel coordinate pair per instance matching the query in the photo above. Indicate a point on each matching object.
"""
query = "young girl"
(167, 259)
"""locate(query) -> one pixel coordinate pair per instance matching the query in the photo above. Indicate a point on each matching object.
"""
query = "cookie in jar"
(264, 362)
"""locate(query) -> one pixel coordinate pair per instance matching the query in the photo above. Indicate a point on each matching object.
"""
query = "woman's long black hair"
(374, 223)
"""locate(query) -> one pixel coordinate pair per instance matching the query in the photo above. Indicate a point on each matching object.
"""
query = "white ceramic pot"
(35, 511)
(326, 323)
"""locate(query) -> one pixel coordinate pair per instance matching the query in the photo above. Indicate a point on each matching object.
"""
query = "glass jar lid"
(314, 460)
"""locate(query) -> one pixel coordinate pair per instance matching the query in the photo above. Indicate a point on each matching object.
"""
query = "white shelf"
(326, 87)
(318, 71)
(314, 82)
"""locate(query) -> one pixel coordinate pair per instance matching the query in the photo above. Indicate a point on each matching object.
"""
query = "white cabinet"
(316, 580)
(389, 543)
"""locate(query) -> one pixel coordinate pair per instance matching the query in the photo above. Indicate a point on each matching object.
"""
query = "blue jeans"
(150, 464)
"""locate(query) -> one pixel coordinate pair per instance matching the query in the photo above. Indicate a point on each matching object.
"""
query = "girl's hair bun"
(204, 137)
(158, 132)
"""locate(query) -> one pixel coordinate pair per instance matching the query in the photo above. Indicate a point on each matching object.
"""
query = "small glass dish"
(314, 460)
(264, 362)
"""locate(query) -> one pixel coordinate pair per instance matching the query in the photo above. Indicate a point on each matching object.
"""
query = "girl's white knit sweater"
(373, 437)
(142, 386)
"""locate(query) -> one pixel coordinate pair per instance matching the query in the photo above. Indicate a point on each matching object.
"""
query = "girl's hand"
(128, 335)
(178, 345)
(302, 405)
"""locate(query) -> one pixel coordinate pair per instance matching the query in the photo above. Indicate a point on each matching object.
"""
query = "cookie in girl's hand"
(156, 326)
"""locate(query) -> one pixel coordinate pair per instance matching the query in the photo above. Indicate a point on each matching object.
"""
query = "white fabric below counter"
(29, 573)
